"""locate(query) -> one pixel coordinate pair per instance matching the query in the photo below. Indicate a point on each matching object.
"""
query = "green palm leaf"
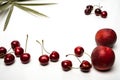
(8, 18)
(35, 4)
(29, 10)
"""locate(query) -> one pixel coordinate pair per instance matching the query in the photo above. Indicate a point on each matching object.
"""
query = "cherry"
(106, 37)
(25, 58)
(66, 65)
(14, 44)
(79, 51)
(104, 14)
(18, 51)
(102, 58)
(85, 66)
(9, 59)
(54, 56)
(88, 9)
(97, 11)
(44, 60)
(3, 51)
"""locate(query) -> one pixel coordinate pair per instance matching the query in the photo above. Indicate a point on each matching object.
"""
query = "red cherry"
(66, 65)
(98, 11)
(18, 51)
(104, 14)
(87, 11)
(89, 7)
(102, 58)
(3, 51)
(79, 51)
(9, 59)
(85, 66)
(54, 56)
(15, 43)
(106, 37)
(25, 58)
(44, 60)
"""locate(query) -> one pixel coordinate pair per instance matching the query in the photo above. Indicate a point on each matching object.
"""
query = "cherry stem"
(44, 47)
(87, 54)
(26, 43)
(75, 56)
(40, 45)
(9, 50)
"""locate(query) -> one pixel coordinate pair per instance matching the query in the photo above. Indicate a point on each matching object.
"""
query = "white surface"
(66, 28)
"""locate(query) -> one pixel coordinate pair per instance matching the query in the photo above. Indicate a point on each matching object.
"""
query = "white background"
(66, 28)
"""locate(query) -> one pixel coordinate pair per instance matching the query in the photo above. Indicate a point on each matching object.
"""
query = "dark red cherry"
(89, 7)
(9, 59)
(97, 11)
(54, 56)
(44, 59)
(3, 51)
(66, 65)
(85, 66)
(87, 11)
(104, 14)
(15, 43)
(18, 51)
(25, 58)
(78, 51)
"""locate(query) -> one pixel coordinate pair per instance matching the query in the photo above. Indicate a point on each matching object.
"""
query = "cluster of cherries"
(44, 58)
(9, 58)
(84, 66)
(97, 11)
(102, 56)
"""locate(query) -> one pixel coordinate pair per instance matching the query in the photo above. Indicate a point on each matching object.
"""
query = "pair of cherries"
(9, 58)
(44, 58)
(97, 11)
(85, 65)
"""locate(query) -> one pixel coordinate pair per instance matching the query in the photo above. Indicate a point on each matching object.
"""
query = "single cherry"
(18, 51)
(89, 7)
(87, 11)
(9, 59)
(3, 51)
(66, 65)
(14, 44)
(104, 14)
(85, 66)
(97, 11)
(25, 57)
(106, 37)
(54, 56)
(79, 51)
(102, 58)
(44, 59)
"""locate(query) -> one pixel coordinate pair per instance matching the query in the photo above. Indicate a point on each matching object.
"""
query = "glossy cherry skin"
(18, 51)
(87, 11)
(97, 11)
(44, 59)
(104, 14)
(9, 59)
(3, 51)
(106, 37)
(14, 44)
(25, 58)
(66, 65)
(78, 51)
(89, 7)
(85, 66)
(54, 56)
(102, 58)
